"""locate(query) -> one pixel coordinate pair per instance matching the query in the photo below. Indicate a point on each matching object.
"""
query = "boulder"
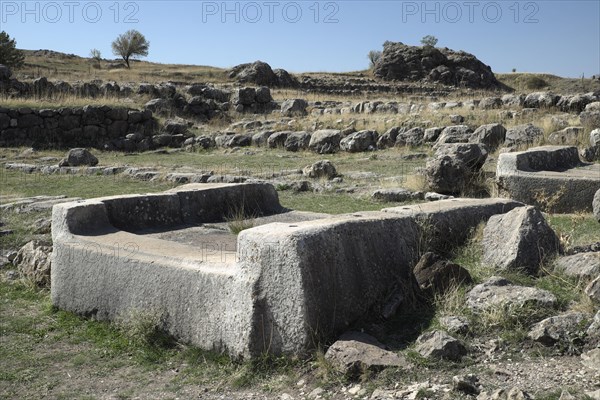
(79, 157)
(568, 135)
(435, 274)
(439, 345)
(260, 139)
(297, 141)
(566, 328)
(176, 126)
(285, 79)
(159, 106)
(34, 262)
(356, 352)
(396, 195)
(540, 100)
(491, 135)
(432, 134)
(325, 141)
(519, 240)
(277, 139)
(320, 169)
(245, 96)
(413, 137)
(359, 141)
(263, 95)
(294, 107)
(453, 167)
(523, 135)
(413, 63)
(584, 266)
(258, 72)
(488, 103)
(388, 139)
(498, 292)
(590, 119)
(455, 134)
(513, 100)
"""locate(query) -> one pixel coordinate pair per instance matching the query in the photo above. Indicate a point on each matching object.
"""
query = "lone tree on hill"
(131, 44)
(9, 54)
(429, 40)
(374, 56)
(96, 57)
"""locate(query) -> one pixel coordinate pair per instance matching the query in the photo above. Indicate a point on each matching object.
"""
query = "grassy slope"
(58, 66)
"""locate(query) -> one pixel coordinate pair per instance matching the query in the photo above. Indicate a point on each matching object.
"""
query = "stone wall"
(101, 127)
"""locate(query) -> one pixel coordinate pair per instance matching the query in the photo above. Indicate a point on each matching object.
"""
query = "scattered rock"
(397, 195)
(320, 169)
(297, 141)
(294, 107)
(440, 345)
(523, 135)
(455, 134)
(569, 135)
(591, 359)
(433, 196)
(359, 141)
(412, 138)
(491, 135)
(42, 226)
(590, 119)
(468, 384)
(453, 167)
(519, 240)
(500, 292)
(435, 274)
(505, 394)
(566, 328)
(432, 134)
(457, 325)
(388, 139)
(326, 141)
(11, 275)
(593, 290)
(277, 139)
(456, 119)
(356, 352)
(33, 261)
(582, 265)
(79, 157)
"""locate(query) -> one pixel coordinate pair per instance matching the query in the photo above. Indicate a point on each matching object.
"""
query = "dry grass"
(71, 69)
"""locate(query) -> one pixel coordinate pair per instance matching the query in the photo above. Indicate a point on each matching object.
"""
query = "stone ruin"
(549, 177)
(292, 281)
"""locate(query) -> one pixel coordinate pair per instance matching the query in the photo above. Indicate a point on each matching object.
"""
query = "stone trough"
(551, 174)
(280, 287)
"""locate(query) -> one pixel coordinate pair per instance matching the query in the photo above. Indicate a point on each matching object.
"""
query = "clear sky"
(558, 37)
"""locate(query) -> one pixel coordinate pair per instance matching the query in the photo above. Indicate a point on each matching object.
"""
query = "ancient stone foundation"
(551, 177)
(90, 126)
(280, 287)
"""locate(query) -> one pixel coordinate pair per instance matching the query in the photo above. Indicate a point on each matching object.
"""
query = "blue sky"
(558, 37)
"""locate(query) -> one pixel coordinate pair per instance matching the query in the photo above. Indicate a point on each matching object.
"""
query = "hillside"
(69, 67)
